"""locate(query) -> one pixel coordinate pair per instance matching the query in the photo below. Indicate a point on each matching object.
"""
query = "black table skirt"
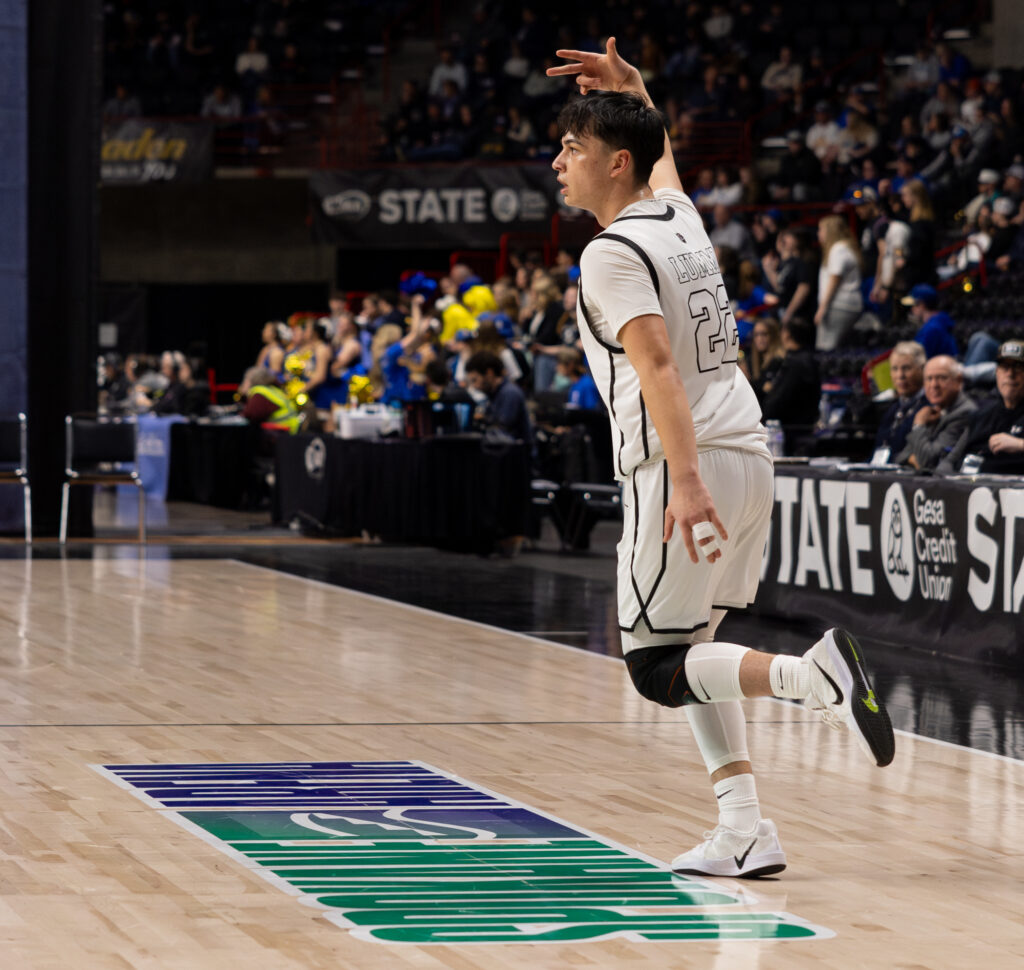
(213, 464)
(451, 491)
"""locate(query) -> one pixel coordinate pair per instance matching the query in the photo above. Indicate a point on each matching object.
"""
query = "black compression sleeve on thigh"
(659, 674)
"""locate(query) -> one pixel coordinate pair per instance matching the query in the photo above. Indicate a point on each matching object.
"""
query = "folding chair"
(92, 445)
(14, 462)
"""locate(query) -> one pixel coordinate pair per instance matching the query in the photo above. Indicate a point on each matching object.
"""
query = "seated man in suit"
(906, 364)
(938, 425)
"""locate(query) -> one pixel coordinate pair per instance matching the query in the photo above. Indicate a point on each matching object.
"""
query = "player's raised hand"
(598, 72)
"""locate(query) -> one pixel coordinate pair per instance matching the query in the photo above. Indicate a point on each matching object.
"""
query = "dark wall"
(64, 45)
(222, 323)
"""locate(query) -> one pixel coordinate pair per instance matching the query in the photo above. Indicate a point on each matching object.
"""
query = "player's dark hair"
(622, 121)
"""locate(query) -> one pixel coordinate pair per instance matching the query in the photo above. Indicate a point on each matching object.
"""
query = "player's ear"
(621, 164)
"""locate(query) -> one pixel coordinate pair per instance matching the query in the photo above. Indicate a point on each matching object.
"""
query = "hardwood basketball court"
(136, 662)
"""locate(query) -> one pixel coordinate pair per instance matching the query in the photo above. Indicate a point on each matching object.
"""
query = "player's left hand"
(606, 72)
(694, 511)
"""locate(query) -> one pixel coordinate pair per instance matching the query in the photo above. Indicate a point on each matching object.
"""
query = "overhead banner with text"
(450, 206)
(931, 563)
(140, 150)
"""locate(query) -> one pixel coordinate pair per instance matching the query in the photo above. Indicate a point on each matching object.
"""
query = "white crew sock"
(738, 807)
(788, 677)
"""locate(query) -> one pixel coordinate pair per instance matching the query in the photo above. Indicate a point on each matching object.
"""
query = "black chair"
(14, 462)
(589, 503)
(94, 447)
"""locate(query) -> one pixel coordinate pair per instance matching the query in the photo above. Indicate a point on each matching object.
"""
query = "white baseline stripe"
(562, 646)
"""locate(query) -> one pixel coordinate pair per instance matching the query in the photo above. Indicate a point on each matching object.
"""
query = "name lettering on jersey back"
(690, 267)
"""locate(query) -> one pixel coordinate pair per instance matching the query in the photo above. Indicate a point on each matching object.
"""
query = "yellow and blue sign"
(400, 852)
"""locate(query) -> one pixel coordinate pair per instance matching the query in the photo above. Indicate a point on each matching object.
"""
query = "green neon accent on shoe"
(870, 703)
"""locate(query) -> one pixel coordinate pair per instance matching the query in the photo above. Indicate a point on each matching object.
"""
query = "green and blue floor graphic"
(401, 852)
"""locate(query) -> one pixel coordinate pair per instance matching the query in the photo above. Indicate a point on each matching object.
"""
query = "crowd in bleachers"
(890, 206)
(172, 57)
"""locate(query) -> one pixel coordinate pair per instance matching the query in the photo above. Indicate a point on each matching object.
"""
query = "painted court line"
(576, 650)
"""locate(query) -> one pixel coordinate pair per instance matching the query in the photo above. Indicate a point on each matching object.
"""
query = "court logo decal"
(400, 852)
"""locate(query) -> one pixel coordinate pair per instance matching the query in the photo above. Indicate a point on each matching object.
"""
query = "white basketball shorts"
(663, 596)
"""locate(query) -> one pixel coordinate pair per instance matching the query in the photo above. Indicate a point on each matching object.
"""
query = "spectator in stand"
(791, 276)
(348, 351)
(918, 264)
(221, 105)
(447, 69)
(122, 104)
(922, 73)
(187, 393)
(520, 132)
(988, 192)
(858, 139)
(906, 366)
(290, 67)
(782, 79)
(487, 337)
(935, 332)
(314, 355)
(703, 189)
(276, 334)
(873, 223)
(115, 386)
(938, 425)
(956, 167)
(839, 298)
(506, 404)
(541, 319)
(1013, 183)
(733, 234)
(824, 136)
(400, 362)
(993, 441)
(943, 103)
(799, 176)
(954, 68)
(252, 66)
(793, 395)
(266, 402)
(516, 66)
(582, 392)
(765, 357)
(708, 102)
(1006, 221)
(726, 190)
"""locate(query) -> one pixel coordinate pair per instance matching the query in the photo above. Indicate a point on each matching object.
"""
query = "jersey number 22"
(717, 339)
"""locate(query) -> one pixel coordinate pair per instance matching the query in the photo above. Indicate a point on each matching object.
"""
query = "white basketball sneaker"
(841, 693)
(728, 852)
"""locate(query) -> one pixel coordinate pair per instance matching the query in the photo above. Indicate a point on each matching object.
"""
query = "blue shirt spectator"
(936, 328)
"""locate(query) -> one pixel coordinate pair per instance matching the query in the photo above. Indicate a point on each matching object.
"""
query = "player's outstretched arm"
(609, 72)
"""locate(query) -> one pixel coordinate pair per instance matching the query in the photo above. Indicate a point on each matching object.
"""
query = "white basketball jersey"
(656, 258)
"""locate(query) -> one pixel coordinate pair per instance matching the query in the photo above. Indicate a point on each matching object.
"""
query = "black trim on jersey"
(645, 603)
(611, 408)
(638, 249)
(632, 557)
(672, 632)
(611, 348)
(666, 216)
(643, 426)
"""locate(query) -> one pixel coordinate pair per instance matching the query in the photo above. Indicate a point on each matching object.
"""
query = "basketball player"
(691, 453)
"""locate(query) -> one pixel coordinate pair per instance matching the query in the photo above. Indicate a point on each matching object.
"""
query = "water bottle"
(776, 439)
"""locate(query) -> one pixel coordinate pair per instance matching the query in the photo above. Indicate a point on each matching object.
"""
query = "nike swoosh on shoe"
(739, 860)
(832, 683)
